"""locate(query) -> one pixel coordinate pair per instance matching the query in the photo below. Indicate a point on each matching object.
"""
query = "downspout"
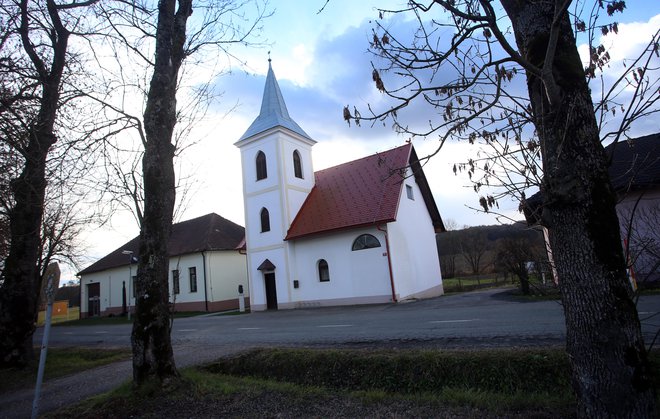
(206, 297)
(247, 272)
(80, 296)
(389, 260)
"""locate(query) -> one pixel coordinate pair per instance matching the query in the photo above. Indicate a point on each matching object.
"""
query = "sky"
(322, 64)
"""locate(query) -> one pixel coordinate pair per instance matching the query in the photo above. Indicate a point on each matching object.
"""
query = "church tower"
(276, 158)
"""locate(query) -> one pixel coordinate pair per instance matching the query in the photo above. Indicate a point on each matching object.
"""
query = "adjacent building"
(635, 175)
(207, 266)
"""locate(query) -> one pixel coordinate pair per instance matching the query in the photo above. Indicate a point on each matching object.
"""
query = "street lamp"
(130, 278)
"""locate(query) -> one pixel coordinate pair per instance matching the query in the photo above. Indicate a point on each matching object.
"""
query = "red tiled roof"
(358, 193)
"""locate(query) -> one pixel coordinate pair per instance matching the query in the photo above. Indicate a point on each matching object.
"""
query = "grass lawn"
(60, 362)
(468, 282)
(513, 383)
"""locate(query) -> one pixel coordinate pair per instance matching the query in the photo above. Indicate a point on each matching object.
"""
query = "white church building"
(357, 233)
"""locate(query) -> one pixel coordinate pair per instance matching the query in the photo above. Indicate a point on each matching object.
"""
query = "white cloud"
(322, 65)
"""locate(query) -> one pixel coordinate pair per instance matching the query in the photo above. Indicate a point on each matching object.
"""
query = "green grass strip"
(60, 362)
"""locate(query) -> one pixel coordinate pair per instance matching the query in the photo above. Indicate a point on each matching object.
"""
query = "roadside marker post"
(52, 275)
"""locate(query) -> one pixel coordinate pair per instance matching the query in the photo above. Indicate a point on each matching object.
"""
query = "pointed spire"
(273, 110)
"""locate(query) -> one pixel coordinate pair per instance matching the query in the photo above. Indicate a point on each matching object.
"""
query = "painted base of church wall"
(429, 293)
(213, 306)
(376, 299)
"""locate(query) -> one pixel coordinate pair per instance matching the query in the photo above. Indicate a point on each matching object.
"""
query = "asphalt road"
(487, 318)
(481, 318)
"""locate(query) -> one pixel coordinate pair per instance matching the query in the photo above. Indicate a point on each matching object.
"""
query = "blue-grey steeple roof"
(273, 111)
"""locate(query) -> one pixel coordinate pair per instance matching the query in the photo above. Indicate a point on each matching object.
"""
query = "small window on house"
(265, 220)
(324, 272)
(262, 172)
(133, 281)
(297, 165)
(192, 272)
(365, 241)
(175, 281)
(409, 192)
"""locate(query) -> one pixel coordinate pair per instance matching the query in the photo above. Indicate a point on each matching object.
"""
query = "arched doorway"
(268, 270)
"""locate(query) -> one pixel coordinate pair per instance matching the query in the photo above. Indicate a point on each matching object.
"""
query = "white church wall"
(289, 145)
(296, 189)
(255, 237)
(268, 146)
(278, 257)
(413, 248)
(296, 198)
(356, 277)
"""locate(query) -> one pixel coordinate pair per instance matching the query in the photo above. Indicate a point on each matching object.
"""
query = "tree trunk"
(19, 295)
(610, 369)
(523, 276)
(19, 298)
(152, 346)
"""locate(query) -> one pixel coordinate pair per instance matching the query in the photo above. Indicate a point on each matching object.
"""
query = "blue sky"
(322, 64)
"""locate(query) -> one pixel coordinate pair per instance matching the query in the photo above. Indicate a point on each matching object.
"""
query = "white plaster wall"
(413, 248)
(278, 256)
(288, 145)
(249, 152)
(110, 287)
(282, 194)
(226, 270)
(111, 282)
(183, 263)
(295, 200)
(271, 201)
(353, 274)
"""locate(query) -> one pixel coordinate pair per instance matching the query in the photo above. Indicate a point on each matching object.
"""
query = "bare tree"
(465, 65)
(514, 255)
(640, 221)
(36, 63)
(136, 31)
(473, 247)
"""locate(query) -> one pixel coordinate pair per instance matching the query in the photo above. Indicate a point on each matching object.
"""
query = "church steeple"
(273, 110)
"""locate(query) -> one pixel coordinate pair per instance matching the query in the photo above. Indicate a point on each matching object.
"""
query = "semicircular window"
(365, 241)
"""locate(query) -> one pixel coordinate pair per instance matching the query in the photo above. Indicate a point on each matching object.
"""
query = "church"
(361, 232)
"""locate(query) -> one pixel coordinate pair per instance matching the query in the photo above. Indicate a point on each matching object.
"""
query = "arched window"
(262, 173)
(265, 220)
(365, 241)
(324, 272)
(297, 165)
